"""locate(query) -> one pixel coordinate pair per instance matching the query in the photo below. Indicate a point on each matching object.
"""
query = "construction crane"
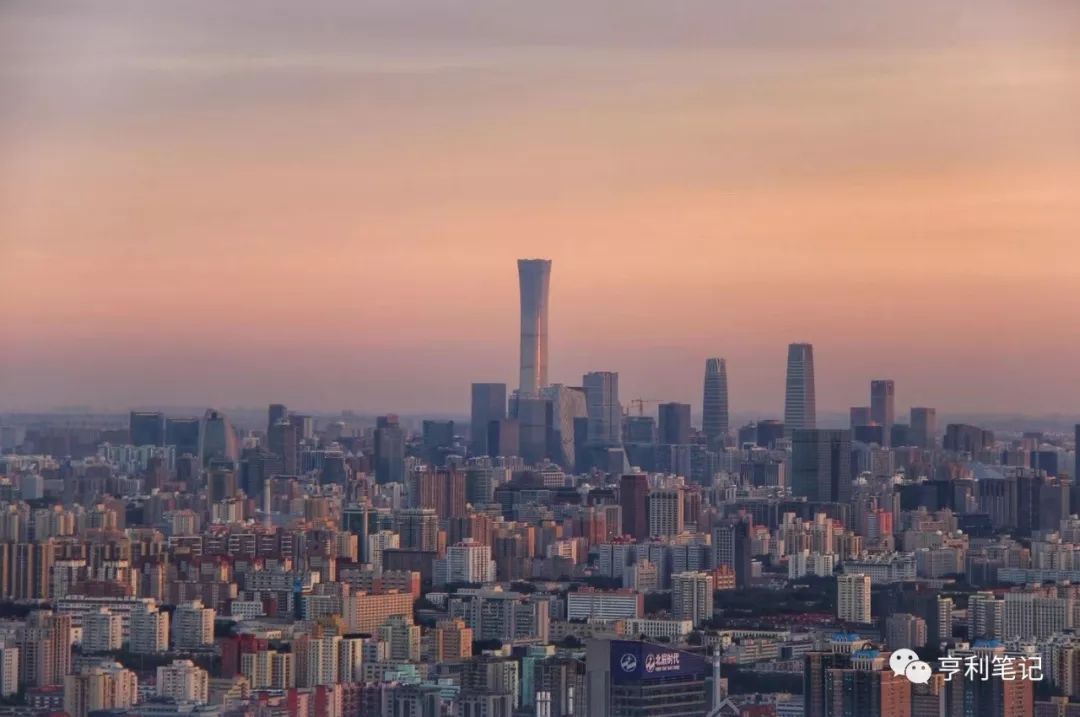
(640, 403)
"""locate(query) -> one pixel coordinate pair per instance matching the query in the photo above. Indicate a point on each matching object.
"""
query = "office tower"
(488, 404)
(437, 437)
(1074, 495)
(714, 406)
(389, 450)
(418, 529)
(872, 434)
(882, 404)
(732, 548)
(666, 516)
(853, 598)
(184, 434)
(860, 416)
(923, 430)
(218, 438)
(220, 484)
(692, 597)
(567, 406)
(978, 695)
(147, 429)
(193, 625)
(283, 440)
(276, 412)
(768, 432)
(963, 438)
(441, 489)
(558, 687)
(633, 498)
(869, 688)
(534, 424)
(504, 437)
(639, 679)
(603, 408)
(258, 465)
(534, 276)
(904, 631)
(821, 465)
(305, 425)
(800, 409)
(674, 423)
(639, 429)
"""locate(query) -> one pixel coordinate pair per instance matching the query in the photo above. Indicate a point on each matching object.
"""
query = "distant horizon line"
(194, 411)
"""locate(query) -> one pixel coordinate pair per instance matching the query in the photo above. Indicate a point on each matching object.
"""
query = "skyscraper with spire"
(534, 276)
(714, 406)
(799, 404)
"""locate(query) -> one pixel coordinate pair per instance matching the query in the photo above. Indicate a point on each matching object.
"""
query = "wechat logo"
(907, 663)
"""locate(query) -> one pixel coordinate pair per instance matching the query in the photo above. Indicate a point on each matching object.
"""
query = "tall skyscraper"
(488, 404)
(800, 406)
(389, 450)
(674, 423)
(567, 405)
(276, 412)
(731, 546)
(883, 405)
(534, 277)
(860, 416)
(147, 429)
(821, 465)
(534, 423)
(218, 438)
(283, 440)
(603, 408)
(184, 434)
(634, 499)
(869, 688)
(714, 406)
(1076, 464)
(924, 427)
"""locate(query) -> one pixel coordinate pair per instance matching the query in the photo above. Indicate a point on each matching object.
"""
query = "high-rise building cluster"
(563, 550)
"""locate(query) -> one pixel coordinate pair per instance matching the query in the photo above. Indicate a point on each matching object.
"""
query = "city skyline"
(896, 184)
(586, 358)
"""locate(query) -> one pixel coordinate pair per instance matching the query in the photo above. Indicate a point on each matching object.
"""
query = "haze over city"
(208, 204)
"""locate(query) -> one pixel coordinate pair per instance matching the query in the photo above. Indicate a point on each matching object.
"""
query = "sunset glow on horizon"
(209, 205)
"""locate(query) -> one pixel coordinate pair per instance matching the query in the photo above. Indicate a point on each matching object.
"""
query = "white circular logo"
(628, 662)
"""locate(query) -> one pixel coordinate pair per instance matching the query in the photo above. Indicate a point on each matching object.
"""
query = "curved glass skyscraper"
(534, 275)
(714, 406)
(800, 409)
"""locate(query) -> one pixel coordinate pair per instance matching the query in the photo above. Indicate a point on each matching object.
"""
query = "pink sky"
(231, 205)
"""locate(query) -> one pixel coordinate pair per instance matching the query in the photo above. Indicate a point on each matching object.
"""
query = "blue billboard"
(643, 661)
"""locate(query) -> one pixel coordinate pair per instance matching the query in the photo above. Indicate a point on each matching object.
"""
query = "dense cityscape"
(567, 551)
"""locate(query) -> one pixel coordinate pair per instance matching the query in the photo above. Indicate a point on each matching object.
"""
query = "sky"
(321, 203)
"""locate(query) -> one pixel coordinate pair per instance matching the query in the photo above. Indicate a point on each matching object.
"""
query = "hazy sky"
(227, 203)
